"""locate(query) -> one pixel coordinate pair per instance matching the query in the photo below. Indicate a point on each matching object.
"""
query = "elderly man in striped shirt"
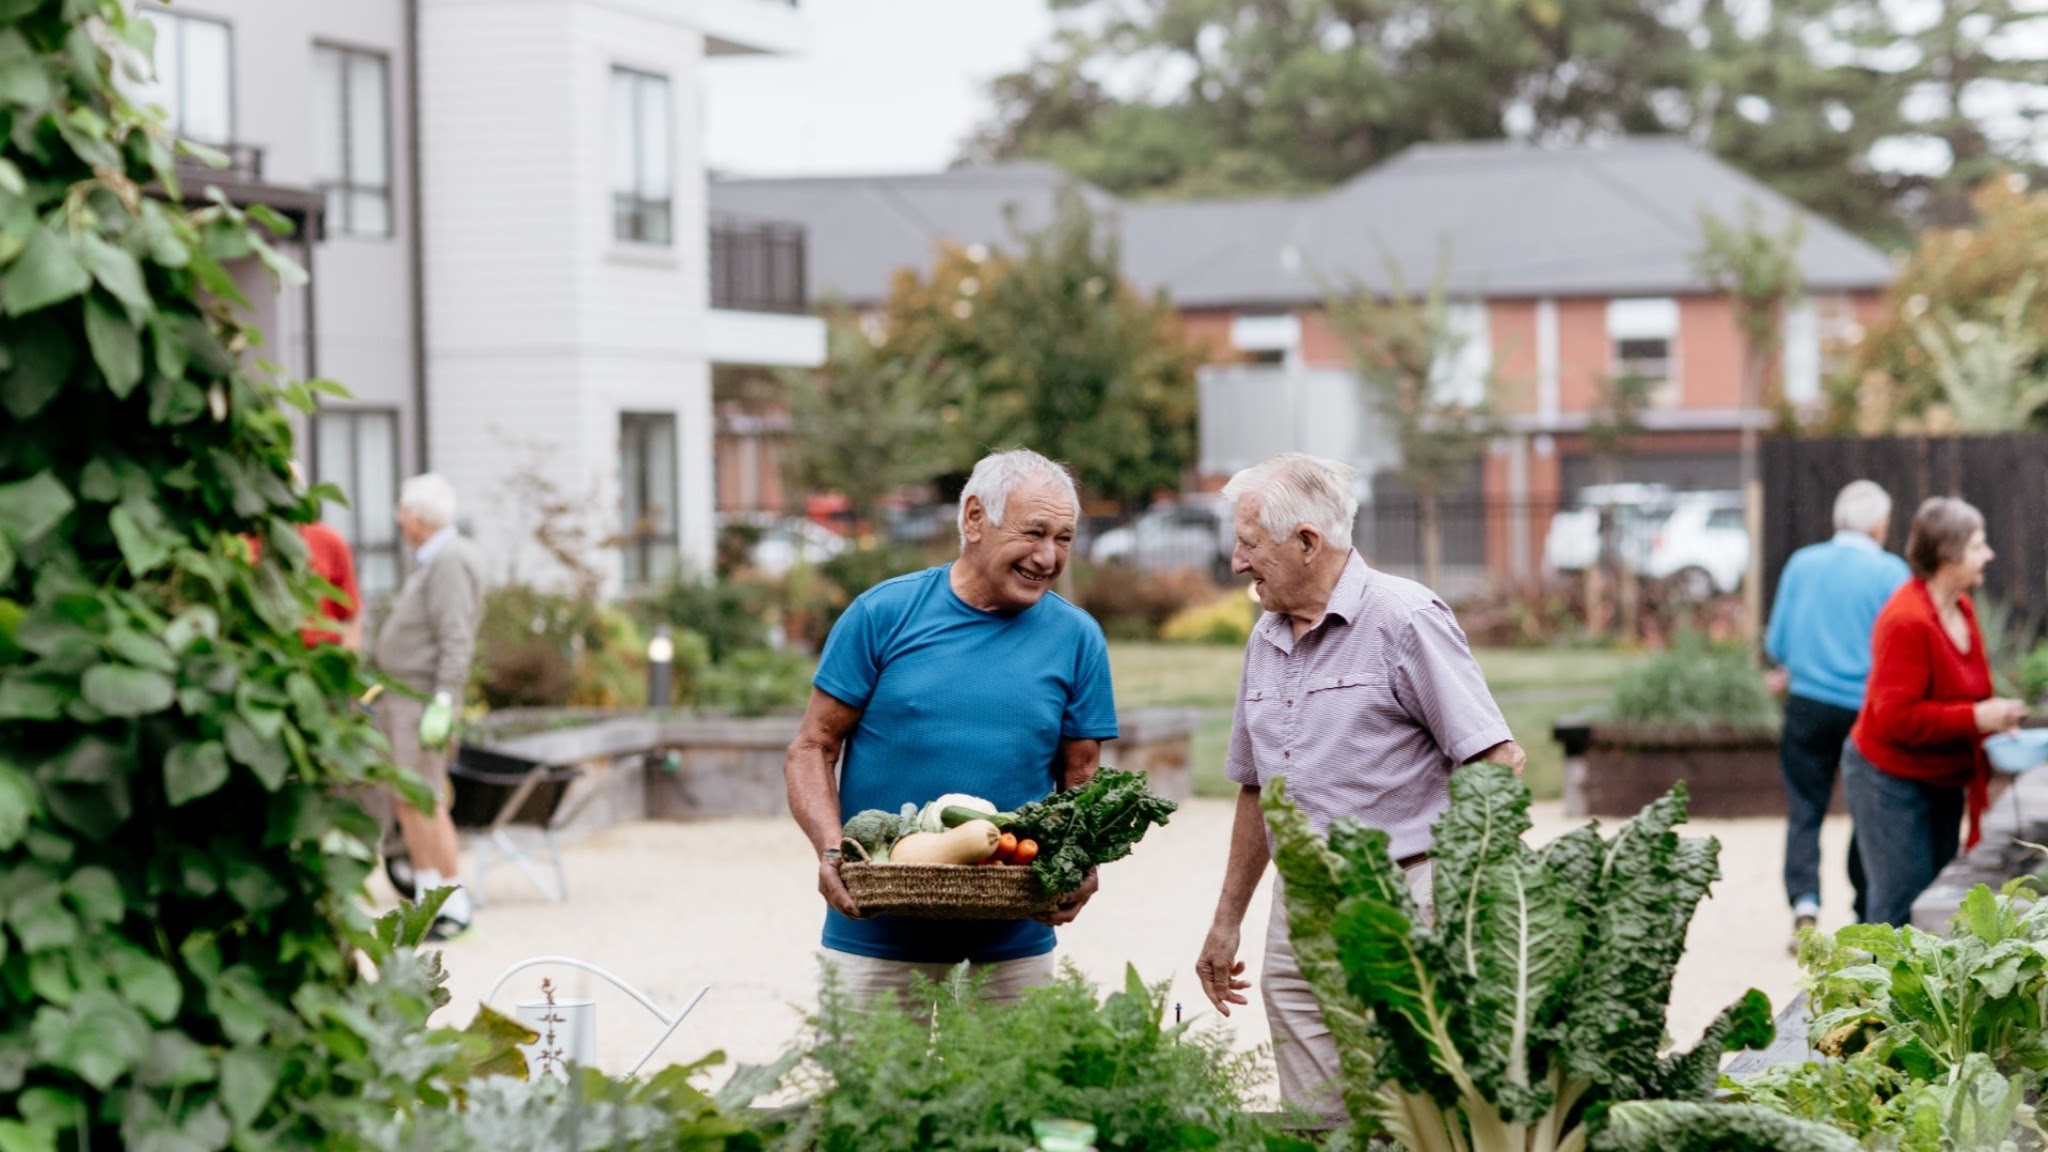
(1360, 689)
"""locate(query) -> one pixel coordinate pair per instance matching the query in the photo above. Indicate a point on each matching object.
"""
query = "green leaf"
(264, 757)
(47, 271)
(99, 1039)
(196, 623)
(116, 346)
(18, 1137)
(142, 650)
(6, 574)
(43, 358)
(17, 804)
(125, 690)
(248, 1077)
(30, 508)
(497, 1042)
(117, 271)
(22, 698)
(146, 982)
(1670, 1126)
(96, 894)
(1978, 914)
(194, 770)
(142, 551)
(36, 913)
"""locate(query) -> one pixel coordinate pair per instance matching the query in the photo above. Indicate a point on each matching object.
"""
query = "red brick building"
(1565, 267)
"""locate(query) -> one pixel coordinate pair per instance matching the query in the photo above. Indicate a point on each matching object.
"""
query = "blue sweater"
(1828, 600)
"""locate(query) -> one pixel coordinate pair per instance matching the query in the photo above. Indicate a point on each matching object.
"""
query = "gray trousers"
(1304, 1053)
(865, 977)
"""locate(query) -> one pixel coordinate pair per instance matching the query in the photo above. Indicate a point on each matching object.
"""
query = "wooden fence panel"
(2005, 476)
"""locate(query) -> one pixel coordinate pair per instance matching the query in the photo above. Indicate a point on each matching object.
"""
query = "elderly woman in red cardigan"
(1914, 766)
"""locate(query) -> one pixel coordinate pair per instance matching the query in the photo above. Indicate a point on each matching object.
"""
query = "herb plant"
(1695, 684)
(1537, 999)
(963, 1074)
(1082, 827)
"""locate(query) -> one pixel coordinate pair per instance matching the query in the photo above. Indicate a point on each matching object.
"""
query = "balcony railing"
(758, 266)
(245, 164)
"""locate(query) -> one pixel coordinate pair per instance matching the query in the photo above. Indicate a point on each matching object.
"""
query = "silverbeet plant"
(1535, 1002)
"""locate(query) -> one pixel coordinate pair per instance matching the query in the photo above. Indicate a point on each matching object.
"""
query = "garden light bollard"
(661, 668)
(670, 1023)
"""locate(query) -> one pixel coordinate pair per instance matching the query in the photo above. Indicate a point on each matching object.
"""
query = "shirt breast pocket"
(1352, 707)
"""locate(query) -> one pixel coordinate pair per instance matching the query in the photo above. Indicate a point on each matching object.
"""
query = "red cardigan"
(1919, 718)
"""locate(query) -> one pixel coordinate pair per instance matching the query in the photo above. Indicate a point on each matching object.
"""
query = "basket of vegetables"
(958, 858)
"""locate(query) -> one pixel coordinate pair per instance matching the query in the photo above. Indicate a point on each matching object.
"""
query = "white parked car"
(1702, 545)
(1573, 541)
(787, 541)
(1194, 532)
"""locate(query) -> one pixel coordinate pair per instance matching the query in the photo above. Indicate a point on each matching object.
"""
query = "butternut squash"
(970, 843)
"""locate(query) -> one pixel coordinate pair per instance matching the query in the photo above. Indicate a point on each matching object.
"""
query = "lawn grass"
(1533, 686)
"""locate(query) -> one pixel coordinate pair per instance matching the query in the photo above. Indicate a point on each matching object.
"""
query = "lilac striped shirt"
(1368, 713)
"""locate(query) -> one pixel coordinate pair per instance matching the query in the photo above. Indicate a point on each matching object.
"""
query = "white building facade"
(510, 255)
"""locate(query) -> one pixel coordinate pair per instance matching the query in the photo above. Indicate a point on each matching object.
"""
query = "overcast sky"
(885, 86)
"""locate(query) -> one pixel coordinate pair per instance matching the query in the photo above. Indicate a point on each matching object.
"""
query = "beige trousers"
(865, 977)
(1303, 1052)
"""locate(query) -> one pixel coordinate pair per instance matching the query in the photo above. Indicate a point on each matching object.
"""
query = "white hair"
(430, 497)
(1295, 489)
(1862, 506)
(998, 475)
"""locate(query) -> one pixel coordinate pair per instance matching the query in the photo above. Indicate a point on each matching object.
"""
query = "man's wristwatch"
(830, 854)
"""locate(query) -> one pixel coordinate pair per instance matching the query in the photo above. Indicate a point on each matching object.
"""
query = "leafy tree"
(1281, 97)
(1048, 346)
(181, 869)
(1399, 345)
(1991, 375)
(864, 425)
(1954, 277)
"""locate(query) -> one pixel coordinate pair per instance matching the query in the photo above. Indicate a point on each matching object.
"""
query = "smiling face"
(1008, 567)
(1970, 569)
(1277, 566)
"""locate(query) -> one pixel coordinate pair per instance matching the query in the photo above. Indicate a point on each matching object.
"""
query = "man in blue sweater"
(1828, 600)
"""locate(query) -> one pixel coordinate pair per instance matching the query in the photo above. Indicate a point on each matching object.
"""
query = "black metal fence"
(2005, 476)
(758, 266)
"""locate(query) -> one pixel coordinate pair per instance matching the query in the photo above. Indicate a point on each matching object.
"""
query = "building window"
(1643, 334)
(647, 489)
(352, 139)
(643, 161)
(195, 69)
(356, 450)
(1266, 339)
(1464, 363)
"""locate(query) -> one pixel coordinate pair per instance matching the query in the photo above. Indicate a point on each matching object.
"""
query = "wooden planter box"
(1613, 770)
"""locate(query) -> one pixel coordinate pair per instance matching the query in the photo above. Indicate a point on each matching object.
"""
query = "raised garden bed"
(1612, 770)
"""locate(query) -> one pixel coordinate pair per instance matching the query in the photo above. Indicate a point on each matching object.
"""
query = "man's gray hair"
(430, 497)
(998, 475)
(1295, 489)
(1862, 506)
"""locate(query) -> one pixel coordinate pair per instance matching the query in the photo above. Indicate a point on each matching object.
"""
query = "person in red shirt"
(1914, 767)
(329, 556)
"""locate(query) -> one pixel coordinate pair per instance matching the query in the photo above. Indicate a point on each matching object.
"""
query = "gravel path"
(732, 904)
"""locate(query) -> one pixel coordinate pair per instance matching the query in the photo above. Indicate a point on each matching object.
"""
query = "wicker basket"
(943, 891)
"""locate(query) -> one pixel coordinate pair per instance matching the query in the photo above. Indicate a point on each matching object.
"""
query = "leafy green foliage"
(756, 682)
(1048, 346)
(1695, 684)
(865, 424)
(587, 1113)
(1672, 1126)
(962, 1074)
(1935, 1042)
(180, 868)
(1537, 997)
(1097, 823)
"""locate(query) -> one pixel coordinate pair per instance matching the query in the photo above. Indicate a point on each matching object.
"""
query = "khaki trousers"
(865, 977)
(1303, 1052)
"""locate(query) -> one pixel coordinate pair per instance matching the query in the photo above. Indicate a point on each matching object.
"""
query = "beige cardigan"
(429, 635)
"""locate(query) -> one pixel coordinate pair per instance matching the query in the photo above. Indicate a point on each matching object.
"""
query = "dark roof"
(861, 229)
(1616, 219)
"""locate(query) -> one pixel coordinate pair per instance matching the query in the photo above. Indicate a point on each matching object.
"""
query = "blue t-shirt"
(1827, 604)
(954, 699)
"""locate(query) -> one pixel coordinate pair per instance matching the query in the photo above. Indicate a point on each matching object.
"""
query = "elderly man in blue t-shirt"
(1827, 603)
(970, 677)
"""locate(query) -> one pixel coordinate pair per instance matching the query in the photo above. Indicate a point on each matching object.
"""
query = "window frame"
(342, 223)
(163, 18)
(1668, 390)
(631, 211)
(639, 547)
(354, 511)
